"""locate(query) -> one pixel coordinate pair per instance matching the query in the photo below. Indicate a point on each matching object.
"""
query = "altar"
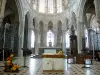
(53, 62)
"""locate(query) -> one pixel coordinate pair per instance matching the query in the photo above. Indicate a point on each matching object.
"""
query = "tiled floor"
(35, 68)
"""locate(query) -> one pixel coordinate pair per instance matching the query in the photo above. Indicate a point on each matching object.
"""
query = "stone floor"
(35, 68)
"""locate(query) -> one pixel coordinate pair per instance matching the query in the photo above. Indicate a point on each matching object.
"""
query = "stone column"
(89, 39)
(29, 37)
(21, 34)
(36, 39)
(41, 33)
(42, 38)
(30, 41)
(55, 6)
(97, 9)
(12, 37)
(45, 34)
(64, 41)
(59, 37)
(80, 35)
(21, 37)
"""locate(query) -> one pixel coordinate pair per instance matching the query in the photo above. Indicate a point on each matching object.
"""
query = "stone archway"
(11, 17)
(88, 13)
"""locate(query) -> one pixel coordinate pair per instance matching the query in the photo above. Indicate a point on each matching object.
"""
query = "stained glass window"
(50, 38)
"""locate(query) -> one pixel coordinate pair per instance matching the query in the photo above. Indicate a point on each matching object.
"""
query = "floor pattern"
(35, 68)
(76, 69)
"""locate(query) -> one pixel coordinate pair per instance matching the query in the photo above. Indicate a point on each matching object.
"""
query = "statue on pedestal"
(73, 42)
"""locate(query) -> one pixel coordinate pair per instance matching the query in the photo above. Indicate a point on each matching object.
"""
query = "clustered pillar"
(80, 35)
(36, 40)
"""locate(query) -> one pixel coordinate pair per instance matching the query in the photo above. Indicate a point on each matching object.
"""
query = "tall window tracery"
(49, 5)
